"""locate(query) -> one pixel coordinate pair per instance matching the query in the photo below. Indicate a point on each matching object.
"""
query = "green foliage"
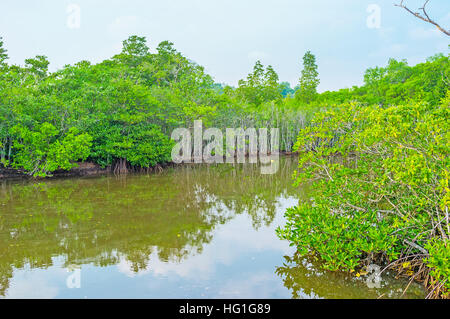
(134, 97)
(128, 106)
(309, 79)
(141, 145)
(439, 262)
(381, 180)
(376, 155)
(339, 238)
(398, 83)
(40, 152)
(38, 66)
(3, 54)
(135, 46)
(261, 86)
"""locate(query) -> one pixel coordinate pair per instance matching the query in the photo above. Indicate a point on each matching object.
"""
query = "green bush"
(142, 145)
(380, 177)
(41, 151)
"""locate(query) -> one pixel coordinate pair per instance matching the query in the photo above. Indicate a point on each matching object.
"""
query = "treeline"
(398, 83)
(118, 112)
(121, 112)
(104, 231)
(379, 164)
(381, 181)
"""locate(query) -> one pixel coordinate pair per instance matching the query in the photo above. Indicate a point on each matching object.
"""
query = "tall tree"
(38, 65)
(134, 51)
(261, 85)
(309, 79)
(272, 90)
(3, 54)
(271, 76)
(135, 46)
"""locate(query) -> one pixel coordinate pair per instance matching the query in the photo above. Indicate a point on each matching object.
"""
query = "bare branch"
(414, 245)
(424, 16)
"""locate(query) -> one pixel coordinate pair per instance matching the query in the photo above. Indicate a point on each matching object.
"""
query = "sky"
(228, 37)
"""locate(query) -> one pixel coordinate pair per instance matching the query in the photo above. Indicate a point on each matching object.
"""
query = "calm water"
(189, 232)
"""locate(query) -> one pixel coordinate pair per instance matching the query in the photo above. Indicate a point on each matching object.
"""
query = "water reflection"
(189, 232)
(304, 280)
(103, 221)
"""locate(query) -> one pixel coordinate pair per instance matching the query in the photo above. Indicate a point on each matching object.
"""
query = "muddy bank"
(92, 169)
(83, 169)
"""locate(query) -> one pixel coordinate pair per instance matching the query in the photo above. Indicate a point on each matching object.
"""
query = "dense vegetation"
(117, 112)
(120, 112)
(101, 221)
(381, 180)
(381, 174)
(377, 155)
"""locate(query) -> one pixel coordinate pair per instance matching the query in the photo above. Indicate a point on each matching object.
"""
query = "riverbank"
(82, 169)
(195, 231)
(386, 203)
(92, 169)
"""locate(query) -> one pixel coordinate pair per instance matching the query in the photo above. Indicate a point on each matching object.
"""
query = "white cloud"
(124, 26)
(386, 33)
(229, 243)
(422, 33)
(258, 55)
(32, 287)
(256, 286)
(389, 51)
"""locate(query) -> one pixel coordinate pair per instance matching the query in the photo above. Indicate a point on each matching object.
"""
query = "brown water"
(189, 232)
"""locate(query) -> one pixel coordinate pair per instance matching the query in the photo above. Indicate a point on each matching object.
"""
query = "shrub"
(380, 177)
(41, 150)
(141, 145)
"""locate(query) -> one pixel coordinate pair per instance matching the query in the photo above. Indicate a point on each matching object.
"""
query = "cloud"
(389, 51)
(32, 287)
(386, 33)
(258, 285)
(422, 33)
(258, 55)
(445, 19)
(124, 26)
(231, 242)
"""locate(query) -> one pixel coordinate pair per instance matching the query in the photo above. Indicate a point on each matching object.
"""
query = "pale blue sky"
(227, 37)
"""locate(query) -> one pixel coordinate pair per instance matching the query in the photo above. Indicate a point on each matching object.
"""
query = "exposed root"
(122, 167)
(414, 268)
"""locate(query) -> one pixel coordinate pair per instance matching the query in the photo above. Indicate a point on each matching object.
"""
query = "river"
(194, 231)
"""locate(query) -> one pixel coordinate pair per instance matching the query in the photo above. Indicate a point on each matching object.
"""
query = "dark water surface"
(189, 232)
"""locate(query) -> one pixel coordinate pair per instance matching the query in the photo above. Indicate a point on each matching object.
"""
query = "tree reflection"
(303, 277)
(105, 219)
